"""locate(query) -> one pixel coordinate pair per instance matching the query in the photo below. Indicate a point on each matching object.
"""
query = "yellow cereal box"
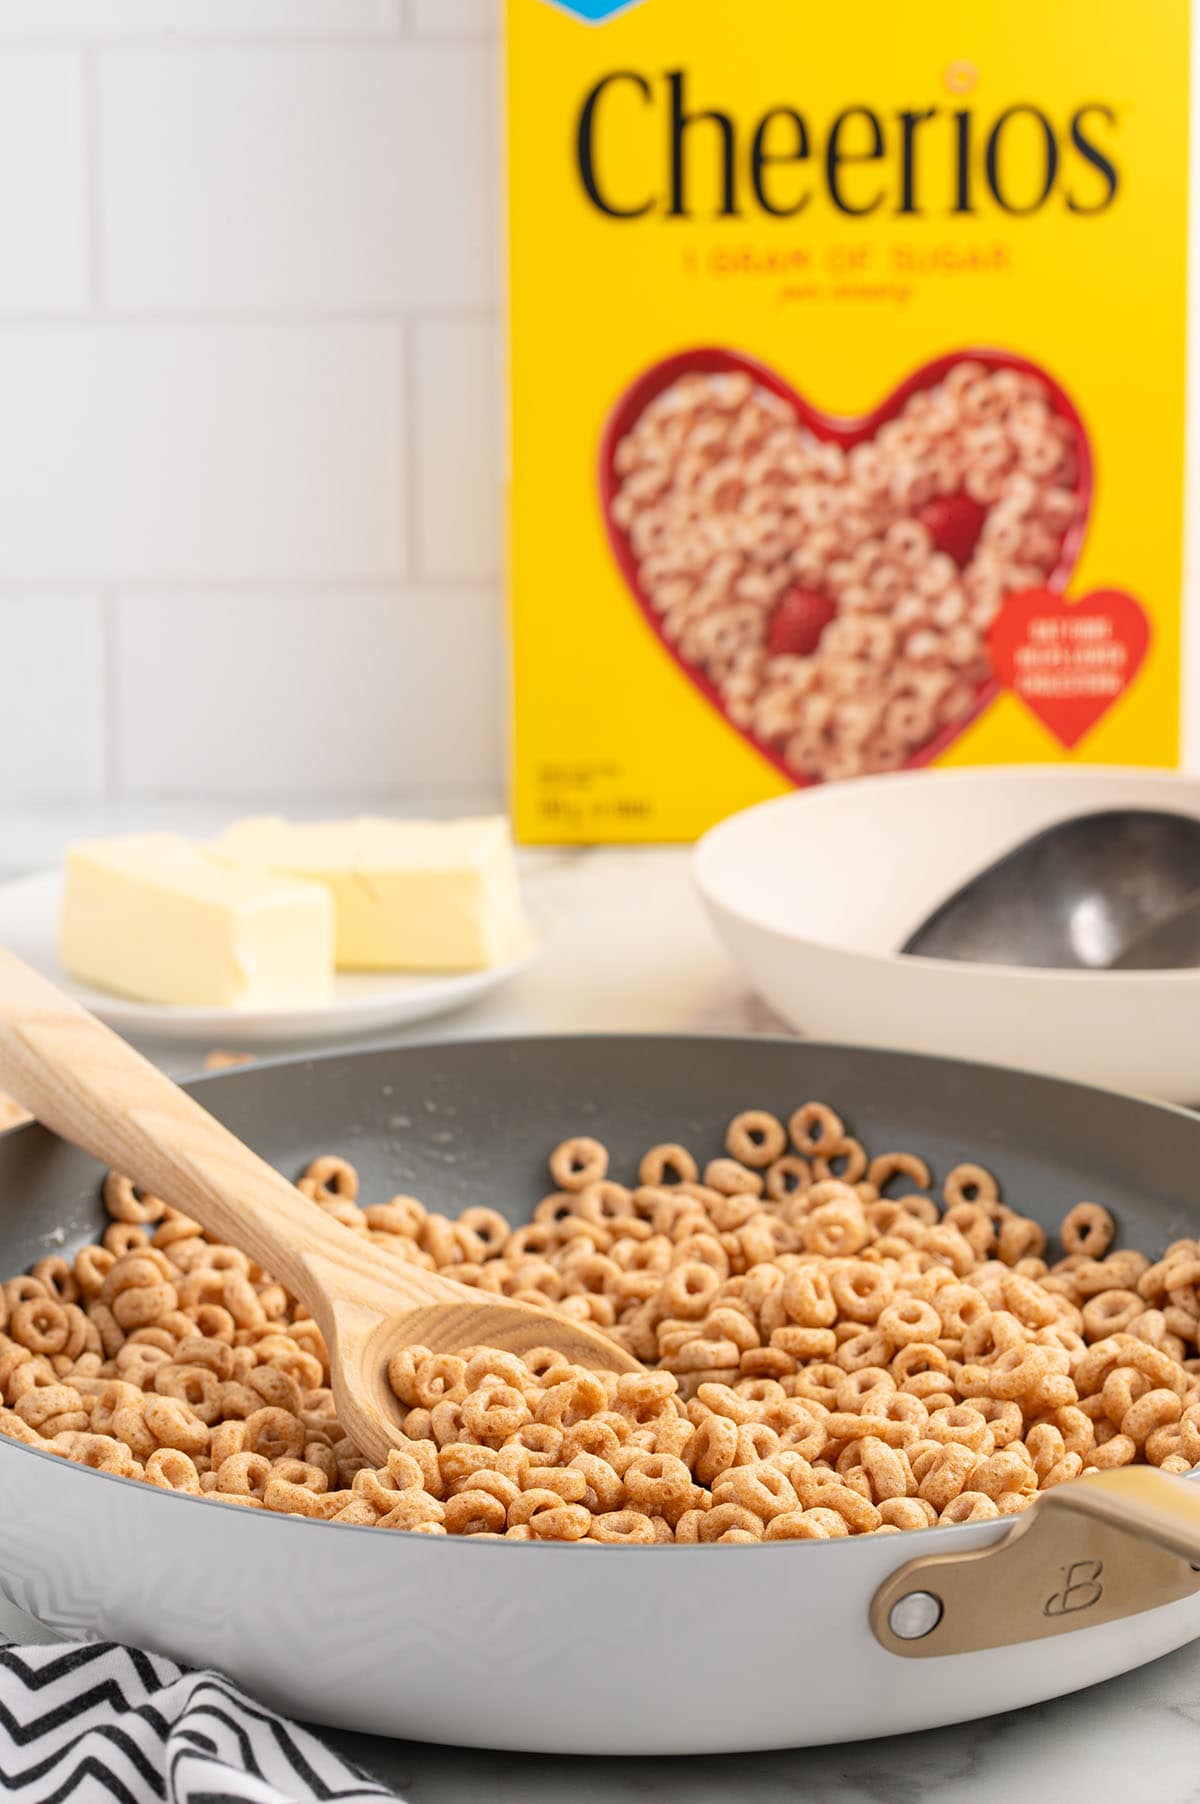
(847, 371)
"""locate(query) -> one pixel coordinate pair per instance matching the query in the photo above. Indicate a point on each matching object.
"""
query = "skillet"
(581, 1649)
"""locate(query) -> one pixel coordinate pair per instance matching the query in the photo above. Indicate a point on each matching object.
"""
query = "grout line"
(112, 693)
(390, 35)
(253, 317)
(333, 588)
(91, 151)
(456, 316)
(469, 796)
(40, 811)
(410, 425)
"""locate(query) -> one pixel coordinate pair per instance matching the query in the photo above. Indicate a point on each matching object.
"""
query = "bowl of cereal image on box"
(814, 893)
(914, 1426)
(829, 584)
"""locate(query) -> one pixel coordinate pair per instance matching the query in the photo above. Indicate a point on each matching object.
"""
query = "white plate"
(813, 893)
(363, 1002)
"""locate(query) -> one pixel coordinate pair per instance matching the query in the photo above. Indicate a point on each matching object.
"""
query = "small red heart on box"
(1069, 661)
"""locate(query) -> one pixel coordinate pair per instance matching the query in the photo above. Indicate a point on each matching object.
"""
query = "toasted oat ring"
(787, 1176)
(724, 1516)
(814, 1128)
(623, 1527)
(59, 1279)
(552, 1522)
(576, 1163)
(886, 1166)
(907, 1512)
(475, 1512)
(668, 1164)
(1088, 1229)
(40, 1324)
(22, 1290)
(335, 1176)
(125, 1237)
(908, 1319)
(970, 1184)
(1111, 1312)
(970, 1506)
(125, 1202)
(92, 1266)
(1155, 1409)
(755, 1138)
(1020, 1239)
(732, 1178)
(848, 1152)
(797, 1525)
(173, 1470)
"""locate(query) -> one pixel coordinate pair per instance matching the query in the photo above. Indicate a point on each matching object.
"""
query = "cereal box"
(847, 370)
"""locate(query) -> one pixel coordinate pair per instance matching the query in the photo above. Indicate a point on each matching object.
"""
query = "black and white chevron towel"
(98, 1722)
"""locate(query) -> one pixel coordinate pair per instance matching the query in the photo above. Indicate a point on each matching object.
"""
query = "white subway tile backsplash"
(51, 696)
(381, 692)
(43, 192)
(298, 178)
(456, 18)
(456, 524)
(201, 452)
(92, 19)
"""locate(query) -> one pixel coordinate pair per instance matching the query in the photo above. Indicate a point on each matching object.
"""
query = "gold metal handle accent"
(1104, 1547)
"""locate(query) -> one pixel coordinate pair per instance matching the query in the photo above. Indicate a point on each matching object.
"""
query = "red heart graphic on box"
(827, 583)
(1069, 661)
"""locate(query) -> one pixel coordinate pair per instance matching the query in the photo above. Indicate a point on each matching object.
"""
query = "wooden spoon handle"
(80, 1079)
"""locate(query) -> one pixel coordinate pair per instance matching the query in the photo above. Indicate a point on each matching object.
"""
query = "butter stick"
(158, 919)
(408, 895)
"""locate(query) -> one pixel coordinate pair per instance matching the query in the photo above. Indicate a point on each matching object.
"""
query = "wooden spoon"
(83, 1081)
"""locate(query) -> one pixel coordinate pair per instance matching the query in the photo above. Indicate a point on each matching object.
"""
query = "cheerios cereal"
(833, 1345)
(839, 600)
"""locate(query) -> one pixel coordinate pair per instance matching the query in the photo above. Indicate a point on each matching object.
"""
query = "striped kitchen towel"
(94, 1721)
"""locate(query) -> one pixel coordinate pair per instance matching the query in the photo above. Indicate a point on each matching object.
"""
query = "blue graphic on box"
(594, 11)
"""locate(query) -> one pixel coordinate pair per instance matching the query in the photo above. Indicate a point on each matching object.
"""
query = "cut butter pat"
(408, 895)
(161, 920)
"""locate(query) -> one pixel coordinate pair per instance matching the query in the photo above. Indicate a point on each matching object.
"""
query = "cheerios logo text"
(681, 156)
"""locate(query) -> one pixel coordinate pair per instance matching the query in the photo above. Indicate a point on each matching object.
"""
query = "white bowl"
(813, 893)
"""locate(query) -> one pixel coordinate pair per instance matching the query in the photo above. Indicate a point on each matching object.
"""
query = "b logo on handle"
(1081, 1590)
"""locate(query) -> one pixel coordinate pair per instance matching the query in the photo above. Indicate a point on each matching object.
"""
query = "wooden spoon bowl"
(86, 1084)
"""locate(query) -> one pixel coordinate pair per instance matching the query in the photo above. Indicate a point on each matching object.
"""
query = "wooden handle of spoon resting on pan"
(90, 1087)
(1092, 1551)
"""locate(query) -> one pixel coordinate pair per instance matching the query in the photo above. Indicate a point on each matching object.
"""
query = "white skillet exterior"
(813, 892)
(541, 1648)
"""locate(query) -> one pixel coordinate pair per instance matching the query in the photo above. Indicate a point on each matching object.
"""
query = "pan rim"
(918, 1540)
(507, 1041)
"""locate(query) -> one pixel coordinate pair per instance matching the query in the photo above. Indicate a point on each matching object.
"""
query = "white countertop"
(626, 947)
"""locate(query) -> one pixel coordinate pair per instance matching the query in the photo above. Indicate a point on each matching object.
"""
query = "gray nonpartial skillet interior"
(1074, 896)
(472, 1122)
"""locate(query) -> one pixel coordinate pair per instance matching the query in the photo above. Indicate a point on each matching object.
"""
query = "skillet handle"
(1089, 1552)
(84, 1082)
